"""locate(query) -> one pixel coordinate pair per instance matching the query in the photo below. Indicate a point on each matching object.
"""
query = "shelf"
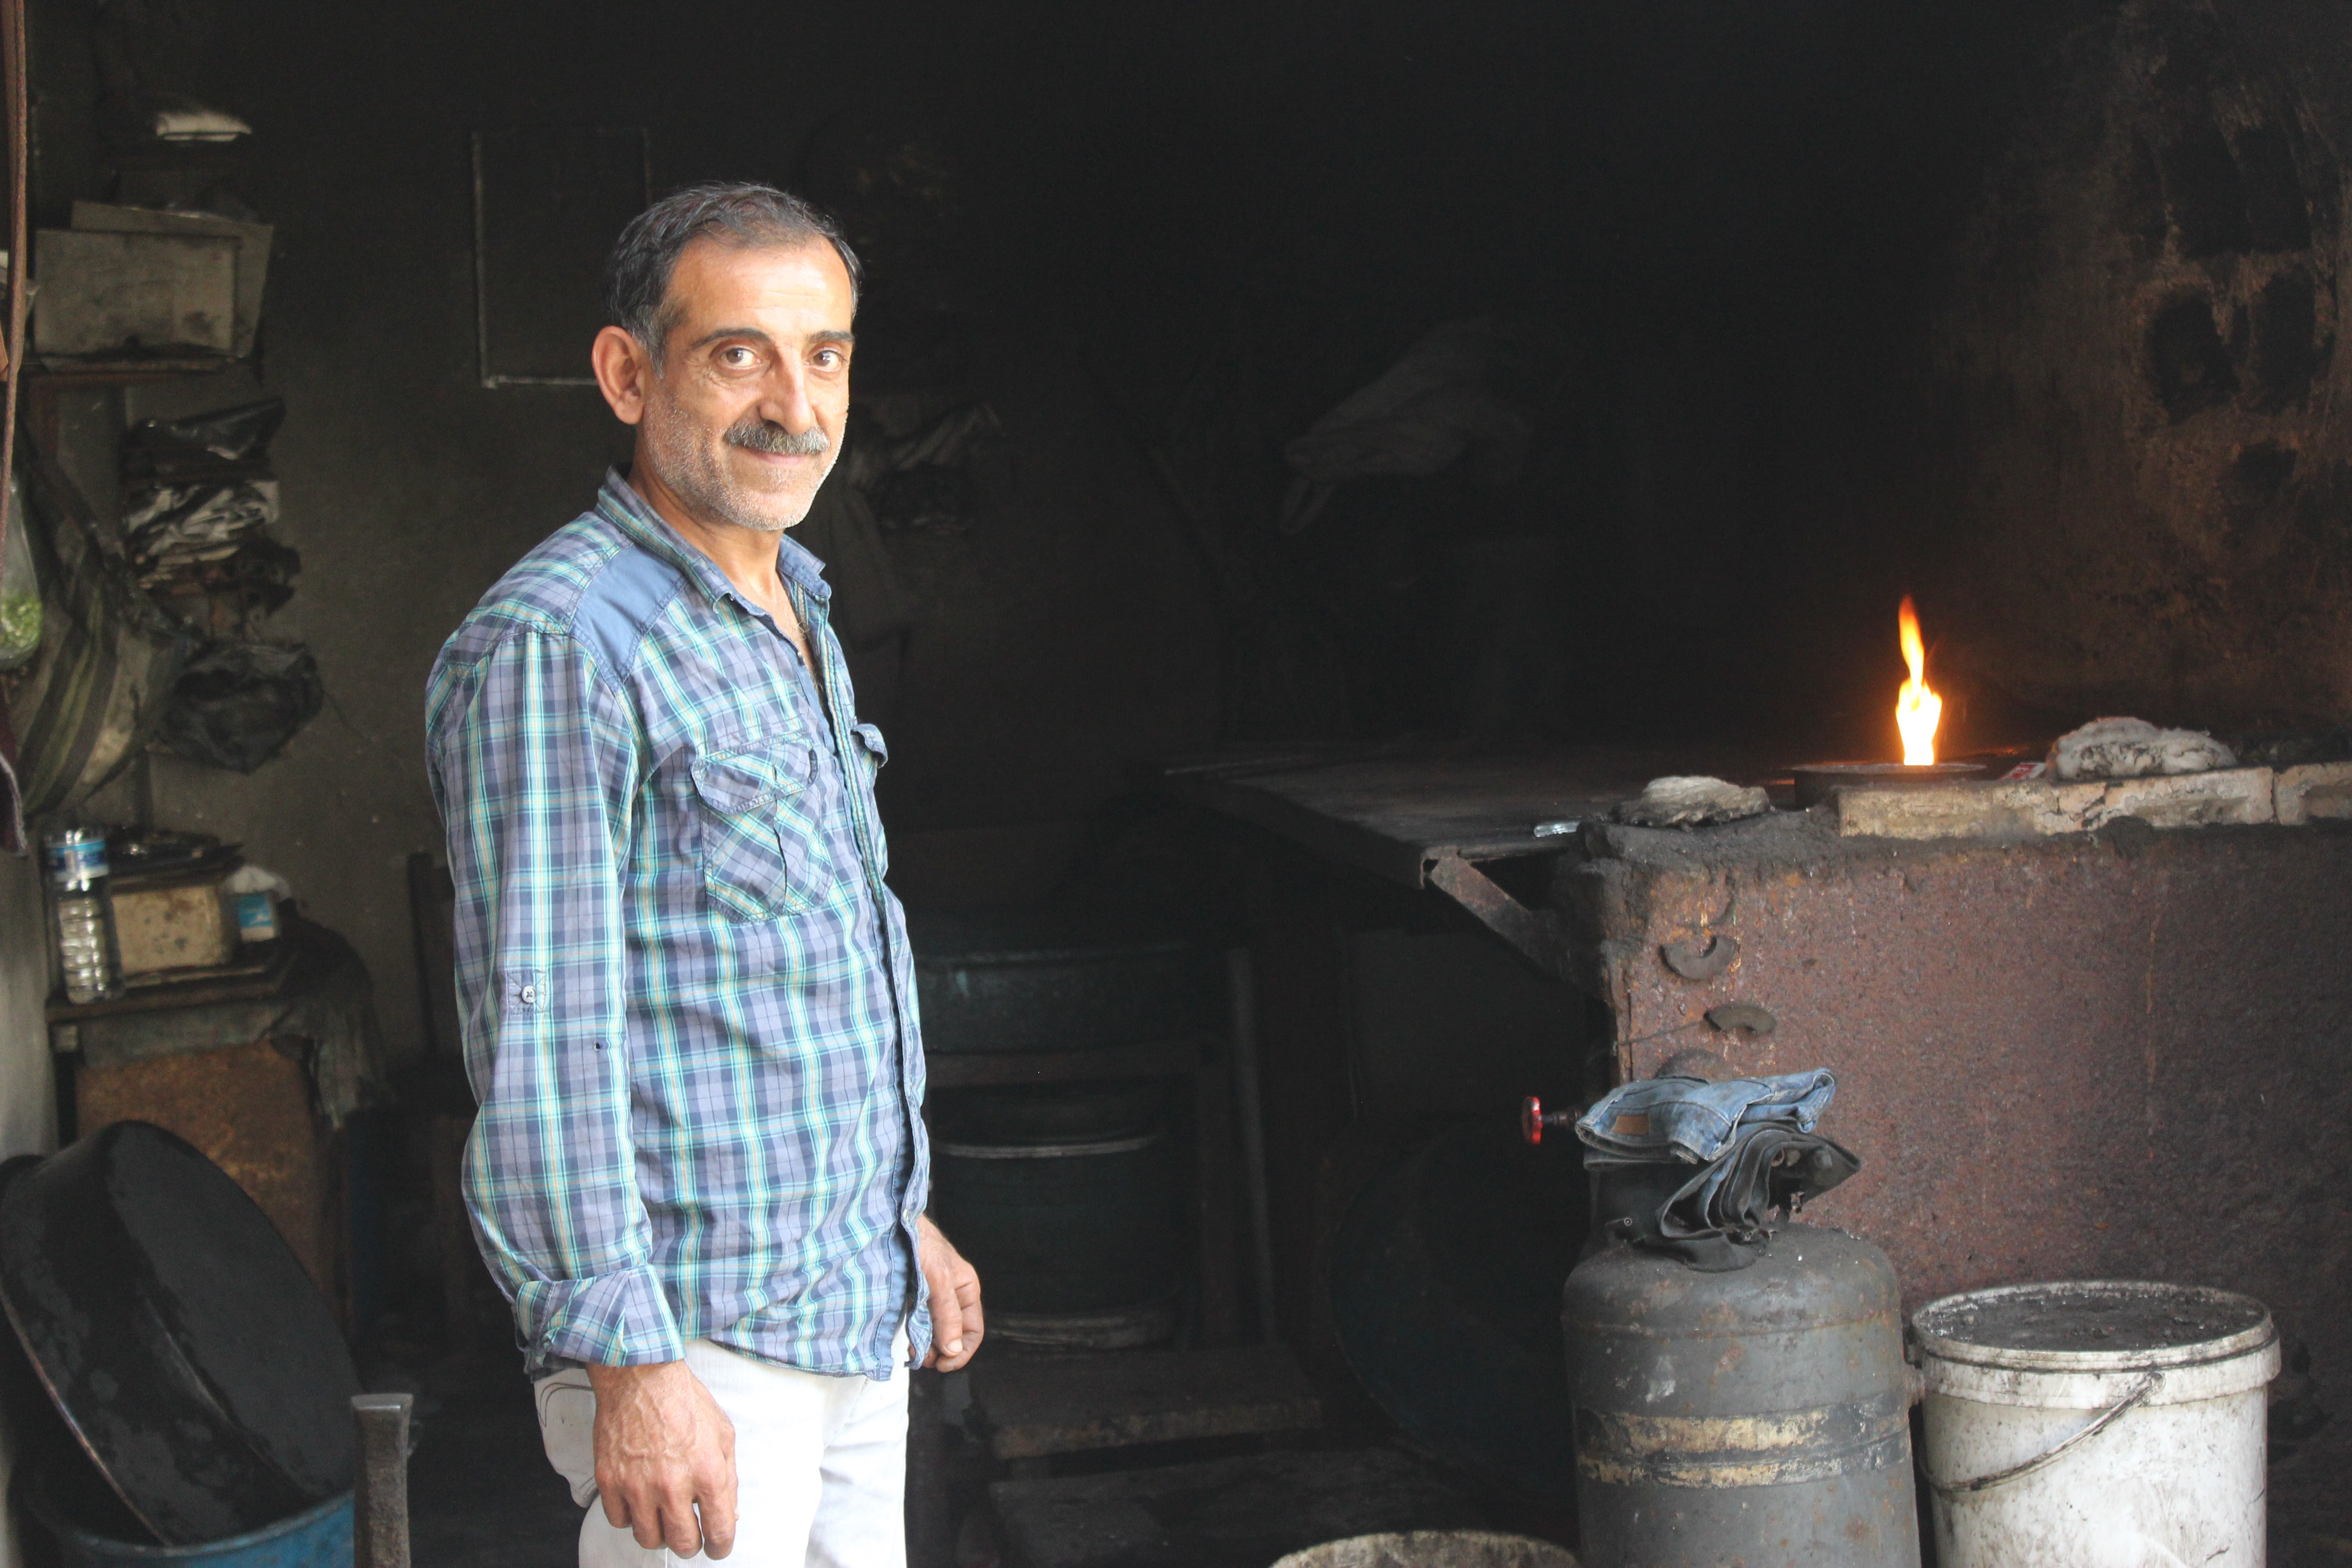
(124, 371)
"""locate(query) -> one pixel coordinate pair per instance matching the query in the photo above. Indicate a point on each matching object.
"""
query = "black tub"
(178, 1334)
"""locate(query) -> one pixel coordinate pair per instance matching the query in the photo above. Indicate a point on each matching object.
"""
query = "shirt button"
(530, 996)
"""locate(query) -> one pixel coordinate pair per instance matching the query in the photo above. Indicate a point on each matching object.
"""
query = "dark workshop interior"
(1310, 467)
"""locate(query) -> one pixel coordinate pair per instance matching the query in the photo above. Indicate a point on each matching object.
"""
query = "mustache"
(759, 435)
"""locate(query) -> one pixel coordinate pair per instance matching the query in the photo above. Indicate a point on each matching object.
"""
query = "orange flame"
(1917, 709)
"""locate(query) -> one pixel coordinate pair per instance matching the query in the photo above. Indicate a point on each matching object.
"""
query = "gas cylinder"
(1758, 1418)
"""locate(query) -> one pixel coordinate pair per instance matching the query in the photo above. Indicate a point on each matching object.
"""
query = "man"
(699, 1169)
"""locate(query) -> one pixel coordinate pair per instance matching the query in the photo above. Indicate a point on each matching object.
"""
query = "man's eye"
(828, 359)
(736, 357)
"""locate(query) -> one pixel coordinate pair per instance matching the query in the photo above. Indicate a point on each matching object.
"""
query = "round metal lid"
(2092, 1325)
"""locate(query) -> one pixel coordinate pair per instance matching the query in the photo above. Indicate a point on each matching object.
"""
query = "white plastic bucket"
(2096, 1423)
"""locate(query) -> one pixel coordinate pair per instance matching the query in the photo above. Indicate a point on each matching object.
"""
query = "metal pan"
(177, 1334)
(1817, 781)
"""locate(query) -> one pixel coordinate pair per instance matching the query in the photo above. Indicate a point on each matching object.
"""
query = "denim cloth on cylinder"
(688, 1000)
(1693, 1121)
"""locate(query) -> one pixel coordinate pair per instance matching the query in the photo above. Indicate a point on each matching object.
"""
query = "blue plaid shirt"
(688, 1005)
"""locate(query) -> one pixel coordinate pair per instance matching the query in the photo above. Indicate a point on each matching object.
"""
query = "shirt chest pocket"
(872, 752)
(760, 816)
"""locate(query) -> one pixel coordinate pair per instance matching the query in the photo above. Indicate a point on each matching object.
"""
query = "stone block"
(2036, 808)
(2225, 797)
(2026, 809)
(2315, 792)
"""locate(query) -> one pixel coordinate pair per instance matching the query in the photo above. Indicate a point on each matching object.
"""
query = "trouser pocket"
(567, 1426)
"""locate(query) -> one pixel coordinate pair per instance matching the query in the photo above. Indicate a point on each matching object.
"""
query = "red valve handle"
(1534, 1118)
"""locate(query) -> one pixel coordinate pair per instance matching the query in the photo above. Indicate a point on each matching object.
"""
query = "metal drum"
(1758, 1418)
(1071, 1198)
(1037, 980)
(1070, 1201)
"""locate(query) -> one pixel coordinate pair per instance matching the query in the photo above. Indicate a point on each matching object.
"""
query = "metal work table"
(1420, 822)
(1396, 817)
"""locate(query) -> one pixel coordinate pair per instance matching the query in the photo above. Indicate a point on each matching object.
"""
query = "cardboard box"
(173, 925)
(253, 241)
(112, 293)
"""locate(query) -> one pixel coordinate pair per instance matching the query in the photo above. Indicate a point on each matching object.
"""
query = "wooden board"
(1226, 1513)
(1062, 1405)
(260, 978)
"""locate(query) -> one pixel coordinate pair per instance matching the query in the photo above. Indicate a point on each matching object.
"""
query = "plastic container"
(20, 593)
(2096, 1422)
(81, 914)
(87, 1524)
(253, 894)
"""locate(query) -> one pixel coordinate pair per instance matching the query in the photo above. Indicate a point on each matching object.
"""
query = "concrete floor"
(481, 1494)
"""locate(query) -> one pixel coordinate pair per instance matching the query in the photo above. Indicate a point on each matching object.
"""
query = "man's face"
(743, 419)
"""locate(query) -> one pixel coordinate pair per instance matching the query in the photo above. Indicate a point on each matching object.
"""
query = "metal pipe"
(1242, 993)
(380, 1506)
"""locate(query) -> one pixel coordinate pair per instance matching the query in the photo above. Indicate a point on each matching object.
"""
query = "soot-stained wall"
(2146, 502)
(1056, 636)
(1712, 267)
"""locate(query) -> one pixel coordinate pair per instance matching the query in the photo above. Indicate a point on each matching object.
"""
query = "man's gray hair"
(637, 273)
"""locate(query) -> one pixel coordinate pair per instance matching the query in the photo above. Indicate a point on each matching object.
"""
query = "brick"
(2228, 796)
(2035, 808)
(2315, 792)
(2028, 808)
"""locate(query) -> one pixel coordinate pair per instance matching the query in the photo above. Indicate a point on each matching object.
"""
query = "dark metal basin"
(177, 1334)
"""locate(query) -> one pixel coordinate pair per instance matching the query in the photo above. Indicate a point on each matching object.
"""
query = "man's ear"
(622, 368)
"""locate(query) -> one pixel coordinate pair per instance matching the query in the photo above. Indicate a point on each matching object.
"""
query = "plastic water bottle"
(82, 913)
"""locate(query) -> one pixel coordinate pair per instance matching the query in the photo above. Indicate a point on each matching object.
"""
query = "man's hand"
(956, 1327)
(663, 1450)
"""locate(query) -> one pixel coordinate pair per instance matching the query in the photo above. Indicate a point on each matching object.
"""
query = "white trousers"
(820, 1464)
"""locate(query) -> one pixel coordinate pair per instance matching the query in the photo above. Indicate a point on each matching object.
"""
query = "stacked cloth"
(198, 505)
(1699, 1167)
(176, 530)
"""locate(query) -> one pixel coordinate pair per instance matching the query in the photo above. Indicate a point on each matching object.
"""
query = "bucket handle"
(2108, 1418)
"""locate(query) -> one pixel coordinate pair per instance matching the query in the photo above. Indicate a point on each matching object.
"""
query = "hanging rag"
(90, 700)
(12, 797)
(1698, 1169)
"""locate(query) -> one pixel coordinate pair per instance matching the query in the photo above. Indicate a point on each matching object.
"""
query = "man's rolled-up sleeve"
(537, 765)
